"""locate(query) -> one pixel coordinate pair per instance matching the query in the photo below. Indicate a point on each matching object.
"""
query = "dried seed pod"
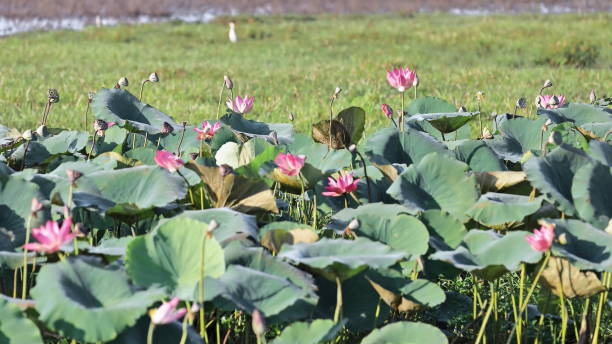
(166, 128)
(229, 84)
(592, 96)
(27, 135)
(521, 103)
(153, 77)
(547, 84)
(53, 95)
(123, 81)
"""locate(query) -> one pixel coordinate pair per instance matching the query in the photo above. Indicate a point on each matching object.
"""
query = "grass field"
(294, 63)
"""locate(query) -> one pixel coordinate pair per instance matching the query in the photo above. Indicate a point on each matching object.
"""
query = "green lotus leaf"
(113, 140)
(444, 226)
(424, 105)
(389, 145)
(171, 255)
(82, 299)
(436, 182)
(130, 190)
(488, 254)
(314, 332)
(503, 210)
(340, 220)
(14, 260)
(163, 334)
(119, 105)
(596, 130)
(353, 119)
(111, 247)
(15, 328)
(553, 175)
(341, 258)
(586, 247)
(5, 170)
(446, 122)
(402, 294)
(478, 155)
(592, 193)
(401, 232)
(601, 152)
(188, 140)
(519, 135)
(405, 332)
(223, 136)
(251, 128)
(578, 114)
(318, 155)
(230, 222)
(16, 196)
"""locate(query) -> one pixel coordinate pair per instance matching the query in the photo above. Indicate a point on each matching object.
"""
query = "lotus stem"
(479, 120)
(443, 139)
(487, 315)
(517, 321)
(203, 333)
(365, 173)
(150, 333)
(184, 330)
(338, 311)
(25, 260)
(146, 138)
(606, 277)
(44, 116)
(217, 327)
(563, 315)
(178, 148)
(534, 283)
(331, 115)
(93, 145)
(415, 92)
(605, 138)
(377, 313)
(141, 88)
(401, 119)
(25, 154)
(220, 99)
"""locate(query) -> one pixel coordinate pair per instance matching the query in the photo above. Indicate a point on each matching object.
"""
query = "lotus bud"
(42, 131)
(53, 95)
(73, 176)
(291, 117)
(225, 169)
(521, 103)
(486, 134)
(194, 155)
(212, 225)
(27, 135)
(480, 95)
(166, 128)
(555, 138)
(387, 110)
(36, 206)
(592, 96)
(462, 109)
(562, 239)
(153, 77)
(258, 323)
(123, 82)
(554, 100)
(90, 96)
(353, 225)
(352, 148)
(547, 84)
(415, 82)
(227, 81)
(337, 92)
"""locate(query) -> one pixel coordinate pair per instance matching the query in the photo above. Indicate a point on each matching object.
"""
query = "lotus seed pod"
(337, 92)
(555, 138)
(592, 96)
(258, 323)
(53, 95)
(27, 135)
(123, 81)
(229, 84)
(415, 82)
(90, 96)
(353, 225)
(291, 117)
(153, 77)
(547, 84)
(42, 131)
(194, 155)
(274, 137)
(352, 148)
(521, 103)
(225, 169)
(462, 109)
(166, 128)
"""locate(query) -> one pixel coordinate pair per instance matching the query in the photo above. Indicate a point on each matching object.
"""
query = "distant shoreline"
(18, 16)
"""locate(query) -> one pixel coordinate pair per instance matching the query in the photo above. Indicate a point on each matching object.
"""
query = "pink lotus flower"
(51, 237)
(168, 160)
(208, 130)
(550, 101)
(401, 78)
(387, 110)
(290, 164)
(542, 239)
(166, 313)
(240, 105)
(344, 184)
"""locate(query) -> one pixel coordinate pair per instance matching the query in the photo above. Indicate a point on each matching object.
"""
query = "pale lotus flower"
(542, 239)
(51, 236)
(401, 78)
(166, 313)
(290, 164)
(345, 184)
(387, 110)
(168, 160)
(240, 105)
(208, 130)
(550, 101)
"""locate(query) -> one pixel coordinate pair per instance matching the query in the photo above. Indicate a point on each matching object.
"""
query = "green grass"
(294, 64)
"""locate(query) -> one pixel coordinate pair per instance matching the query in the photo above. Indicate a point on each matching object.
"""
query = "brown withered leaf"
(393, 300)
(499, 180)
(341, 138)
(236, 192)
(388, 170)
(559, 275)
